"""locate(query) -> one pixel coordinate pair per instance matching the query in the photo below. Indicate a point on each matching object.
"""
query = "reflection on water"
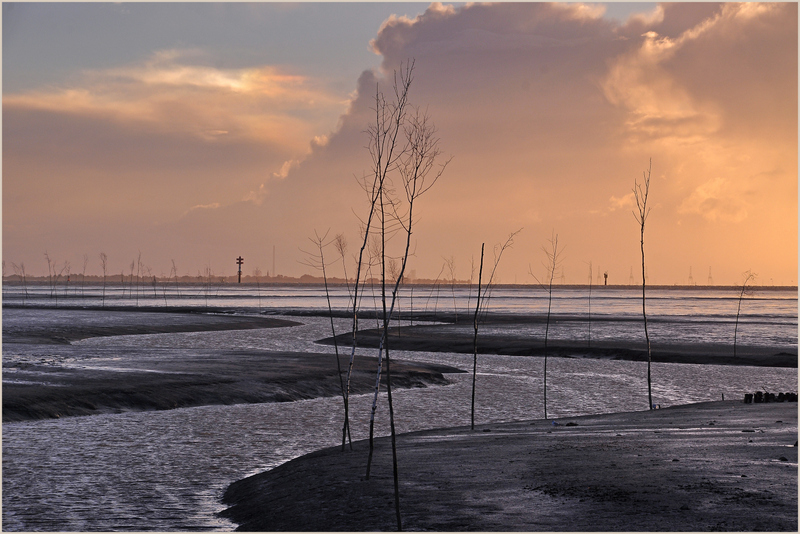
(167, 470)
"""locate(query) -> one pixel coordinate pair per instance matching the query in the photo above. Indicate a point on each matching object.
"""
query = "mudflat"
(165, 381)
(444, 338)
(66, 380)
(725, 466)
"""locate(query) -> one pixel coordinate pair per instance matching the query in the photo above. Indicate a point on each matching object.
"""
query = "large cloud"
(550, 112)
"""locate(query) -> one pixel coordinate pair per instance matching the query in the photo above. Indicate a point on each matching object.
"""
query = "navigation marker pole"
(239, 262)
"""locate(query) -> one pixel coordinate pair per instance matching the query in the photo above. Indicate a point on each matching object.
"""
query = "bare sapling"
(590, 305)
(419, 170)
(64, 268)
(130, 280)
(435, 288)
(451, 266)
(748, 276)
(552, 264)
(383, 148)
(50, 269)
(341, 247)
(153, 281)
(68, 269)
(374, 262)
(471, 278)
(83, 274)
(475, 342)
(318, 262)
(138, 275)
(20, 272)
(257, 274)
(207, 282)
(174, 272)
(164, 287)
(104, 265)
(482, 305)
(640, 193)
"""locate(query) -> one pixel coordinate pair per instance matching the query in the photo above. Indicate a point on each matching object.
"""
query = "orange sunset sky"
(201, 132)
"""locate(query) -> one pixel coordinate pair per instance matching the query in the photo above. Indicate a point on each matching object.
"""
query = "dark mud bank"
(166, 381)
(427, 338)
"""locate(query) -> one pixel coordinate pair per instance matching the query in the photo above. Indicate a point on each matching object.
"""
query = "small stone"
(675, 460)
(783, 459)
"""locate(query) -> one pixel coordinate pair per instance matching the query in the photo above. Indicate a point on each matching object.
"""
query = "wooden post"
(239, 262)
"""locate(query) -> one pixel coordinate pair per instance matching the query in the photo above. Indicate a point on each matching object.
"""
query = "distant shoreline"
(317, 281)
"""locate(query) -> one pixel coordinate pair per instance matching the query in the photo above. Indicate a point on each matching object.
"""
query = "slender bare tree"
(341, 247)
(83, 274)
(435, 288)
(104, 264)
(552, 265)
(19, 270)
(748, 276)
(174, 272)
(384, 139)
(482, 305)
(130, 280)
(257, 273)
(316, 260)
(138, 275)
(475, 342)
(50, 269)
(419, 170)
(640, 193)
(451, 266)
(590, 305)
(68, 269)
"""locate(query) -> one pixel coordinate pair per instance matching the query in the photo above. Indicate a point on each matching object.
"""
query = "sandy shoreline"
(707, 466)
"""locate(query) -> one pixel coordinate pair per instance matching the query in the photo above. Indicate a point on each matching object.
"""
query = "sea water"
(167, 470)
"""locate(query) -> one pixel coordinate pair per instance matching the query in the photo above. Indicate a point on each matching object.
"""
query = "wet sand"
(725, 466)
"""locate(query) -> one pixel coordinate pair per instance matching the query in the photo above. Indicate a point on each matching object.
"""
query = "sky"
(199, 132)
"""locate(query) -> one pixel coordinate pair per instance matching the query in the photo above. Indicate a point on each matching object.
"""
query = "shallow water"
(767, 316)
(167, 470)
